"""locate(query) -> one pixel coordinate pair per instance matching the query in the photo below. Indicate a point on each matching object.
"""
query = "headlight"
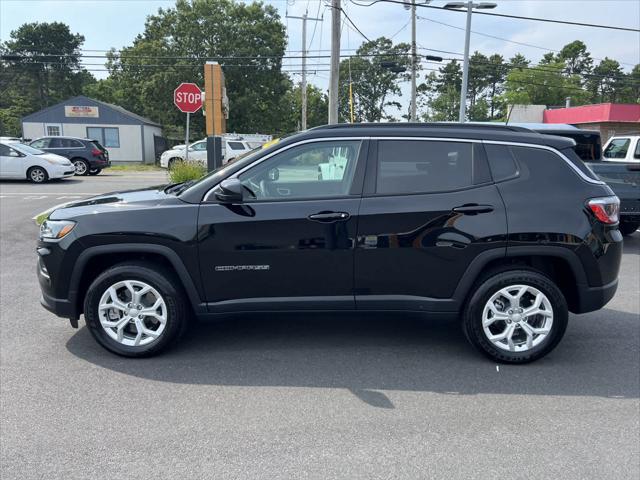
(55, 229)
(55, 161)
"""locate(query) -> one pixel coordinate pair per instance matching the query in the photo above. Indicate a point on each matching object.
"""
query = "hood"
(110, 202)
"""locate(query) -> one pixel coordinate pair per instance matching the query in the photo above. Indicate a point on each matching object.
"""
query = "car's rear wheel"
(628, 228)
(37, 175)
(135, 310)
(516, 316)
(81, 166)
(95, 171)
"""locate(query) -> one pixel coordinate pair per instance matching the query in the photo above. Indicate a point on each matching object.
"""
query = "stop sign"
(188, 97)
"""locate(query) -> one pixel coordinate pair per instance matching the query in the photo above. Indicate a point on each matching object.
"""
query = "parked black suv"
(87, 156)
(500, 226)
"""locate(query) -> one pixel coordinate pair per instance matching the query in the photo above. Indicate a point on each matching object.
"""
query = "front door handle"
(473, 209)
(329, 217)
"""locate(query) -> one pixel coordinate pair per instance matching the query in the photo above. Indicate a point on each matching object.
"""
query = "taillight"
(96, 153)
(605, 209)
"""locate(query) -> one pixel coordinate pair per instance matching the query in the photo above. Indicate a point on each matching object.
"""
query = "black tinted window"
(417, 166)
(236, 145)
(501, 161)
(56, 143)
(4, 150)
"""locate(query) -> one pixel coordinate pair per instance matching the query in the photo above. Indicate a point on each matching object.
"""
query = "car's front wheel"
(135, 310)
(516, 316)
(37, 175)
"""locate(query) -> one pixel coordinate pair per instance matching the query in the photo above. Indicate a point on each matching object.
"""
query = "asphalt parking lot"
(307, 396)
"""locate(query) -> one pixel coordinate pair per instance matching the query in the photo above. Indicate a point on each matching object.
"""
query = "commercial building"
(129, 138)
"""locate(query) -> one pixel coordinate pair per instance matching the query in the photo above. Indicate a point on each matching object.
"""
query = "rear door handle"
(328, 217)
(473, 209)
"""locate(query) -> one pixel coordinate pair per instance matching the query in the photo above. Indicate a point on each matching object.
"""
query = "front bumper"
(62, 171)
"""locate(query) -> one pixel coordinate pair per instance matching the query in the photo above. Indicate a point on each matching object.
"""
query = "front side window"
(5, 151)
(313, 170)
(41, 143)
(637, 152)
(107, 136)
(57, 143)
(199, 147)
(617, 148)
(417, 166)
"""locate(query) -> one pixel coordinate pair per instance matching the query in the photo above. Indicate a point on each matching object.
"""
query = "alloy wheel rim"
(80, 167)
(517, 318)
(37, 175)
(132, 313)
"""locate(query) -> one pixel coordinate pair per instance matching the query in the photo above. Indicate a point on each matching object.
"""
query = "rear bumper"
(594, 298)
(99, 163)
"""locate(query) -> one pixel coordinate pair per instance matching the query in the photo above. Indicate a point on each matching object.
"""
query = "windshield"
(21, 147)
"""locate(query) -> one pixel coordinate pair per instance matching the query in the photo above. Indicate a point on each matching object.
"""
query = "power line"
(504, 15)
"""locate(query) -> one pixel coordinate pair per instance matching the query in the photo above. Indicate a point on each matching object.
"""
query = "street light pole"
(467, 37)
(465, 69)
(413, 61)
(335, 61)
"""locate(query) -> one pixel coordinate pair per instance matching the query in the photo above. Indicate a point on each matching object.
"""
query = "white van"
(622, 148)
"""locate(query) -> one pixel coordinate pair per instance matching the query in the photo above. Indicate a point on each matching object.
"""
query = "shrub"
(185, 171)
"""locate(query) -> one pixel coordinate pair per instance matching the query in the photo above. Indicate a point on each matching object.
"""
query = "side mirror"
(273, 174)
(229, 191)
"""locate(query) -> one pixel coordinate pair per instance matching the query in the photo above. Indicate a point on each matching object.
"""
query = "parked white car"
(231, 148)
(622, 148)
(20, 161)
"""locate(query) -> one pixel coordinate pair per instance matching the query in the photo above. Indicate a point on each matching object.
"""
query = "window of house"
(107, 136)
(53, 130)
(418, 166)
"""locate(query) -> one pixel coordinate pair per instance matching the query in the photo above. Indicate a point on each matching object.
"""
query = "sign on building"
(81, 111)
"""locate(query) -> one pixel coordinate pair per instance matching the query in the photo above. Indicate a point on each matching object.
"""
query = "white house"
(128, 137)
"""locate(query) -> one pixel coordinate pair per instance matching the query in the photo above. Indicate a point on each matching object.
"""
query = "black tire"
(628, 228)
(95, 171)
(160, 279)
(37, 175)
(173, 162)
(81, 166)
(486, 288)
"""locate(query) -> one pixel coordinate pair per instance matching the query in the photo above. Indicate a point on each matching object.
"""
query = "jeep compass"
(499, 227)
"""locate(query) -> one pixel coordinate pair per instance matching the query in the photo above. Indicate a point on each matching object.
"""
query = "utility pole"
(467, 37)
(303, 81)
(335, 61)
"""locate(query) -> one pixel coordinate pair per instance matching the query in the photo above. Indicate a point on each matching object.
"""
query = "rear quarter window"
(501, 162)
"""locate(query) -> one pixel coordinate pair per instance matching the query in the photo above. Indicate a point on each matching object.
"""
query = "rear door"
(429, 208)
(290, 244)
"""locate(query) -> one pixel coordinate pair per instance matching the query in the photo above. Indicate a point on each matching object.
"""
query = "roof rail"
(451, 125)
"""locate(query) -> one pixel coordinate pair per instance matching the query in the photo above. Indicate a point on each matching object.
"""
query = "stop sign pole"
(188, 98)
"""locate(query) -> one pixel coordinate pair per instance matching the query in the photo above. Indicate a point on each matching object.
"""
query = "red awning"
(602, 112)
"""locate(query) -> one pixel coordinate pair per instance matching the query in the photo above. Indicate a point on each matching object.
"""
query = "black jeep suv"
(500, 226)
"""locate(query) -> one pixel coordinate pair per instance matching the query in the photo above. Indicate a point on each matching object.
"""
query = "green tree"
(248, 40)
(544, 85)
(442, 91)
(317, 108)
(576, 58)
(606, 82)
(41, 67)
(374, 81)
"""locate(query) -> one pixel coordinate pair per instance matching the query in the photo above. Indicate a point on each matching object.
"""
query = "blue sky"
(115, 23)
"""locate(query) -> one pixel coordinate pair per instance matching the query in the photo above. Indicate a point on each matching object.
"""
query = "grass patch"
(185, 171)
(135, 168)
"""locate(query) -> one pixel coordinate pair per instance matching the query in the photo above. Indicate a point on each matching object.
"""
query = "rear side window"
(236, 145)
(637, 152)
(418, 166)
(501, 161)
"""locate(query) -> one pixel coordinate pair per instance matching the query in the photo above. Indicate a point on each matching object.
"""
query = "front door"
(428, 209)
(11, 163)
(290, 244)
